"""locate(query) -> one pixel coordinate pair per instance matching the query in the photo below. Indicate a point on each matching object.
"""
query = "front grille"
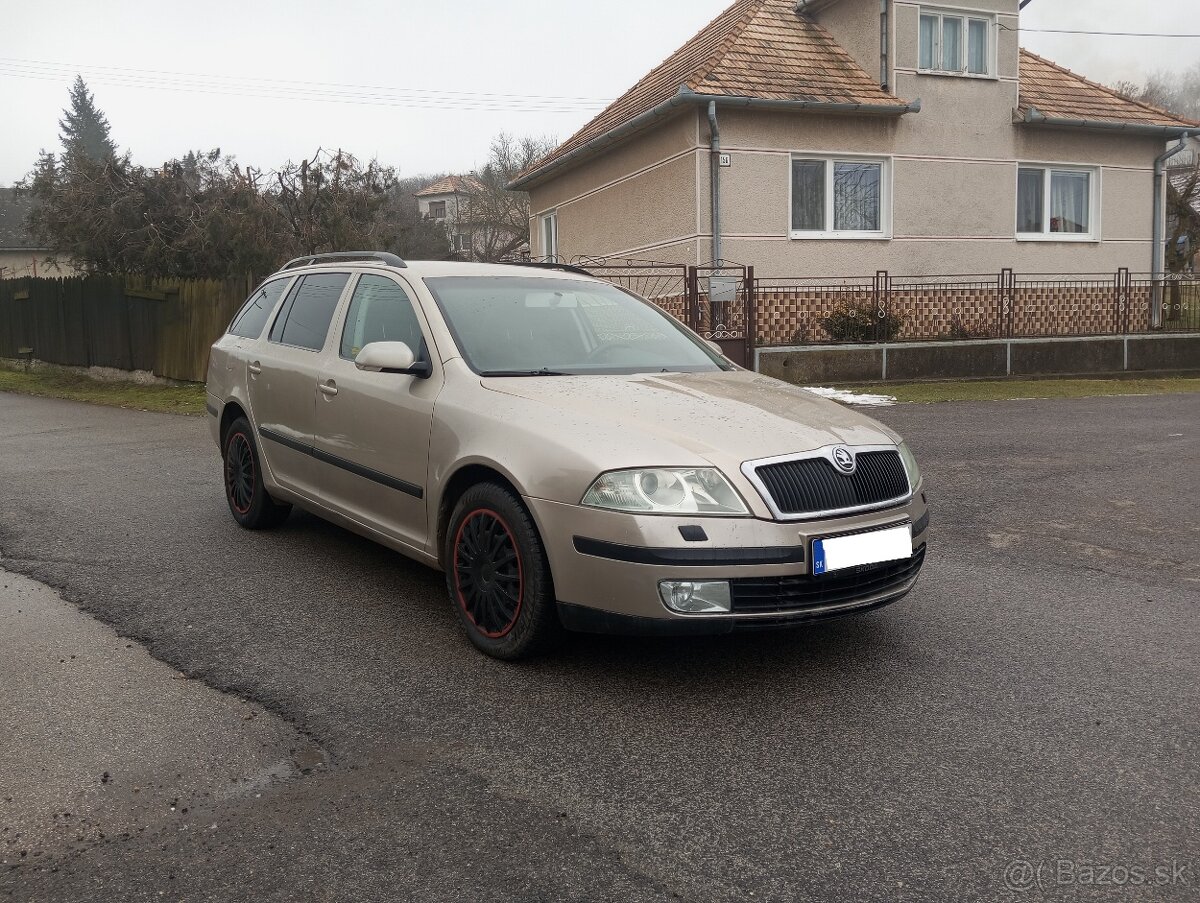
(812, 485)
(755, 595)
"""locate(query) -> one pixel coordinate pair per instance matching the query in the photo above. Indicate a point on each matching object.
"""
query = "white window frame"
(966, 15)
(548, 241)
(1095, 194)
(884, 232)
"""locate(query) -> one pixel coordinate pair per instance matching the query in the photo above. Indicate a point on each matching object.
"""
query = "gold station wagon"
(567, 453)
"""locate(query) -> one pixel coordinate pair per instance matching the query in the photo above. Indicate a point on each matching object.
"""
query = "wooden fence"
(126, 322)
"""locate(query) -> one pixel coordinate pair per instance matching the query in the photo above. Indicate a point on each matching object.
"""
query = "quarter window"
(837, 198)
(306, 315)
(1055, 202)
(954, 43)
(380, 311)
(251, 319)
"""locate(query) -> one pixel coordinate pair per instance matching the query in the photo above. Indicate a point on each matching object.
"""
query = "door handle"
(254, 367)
(328, 388)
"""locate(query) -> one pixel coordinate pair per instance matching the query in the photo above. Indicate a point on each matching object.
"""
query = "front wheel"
(498, 576)
(249, 502)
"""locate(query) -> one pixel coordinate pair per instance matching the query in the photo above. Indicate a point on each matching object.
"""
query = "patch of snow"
(847, 397)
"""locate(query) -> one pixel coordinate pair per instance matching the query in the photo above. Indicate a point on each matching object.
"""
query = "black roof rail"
(378, 256)
(548, 265)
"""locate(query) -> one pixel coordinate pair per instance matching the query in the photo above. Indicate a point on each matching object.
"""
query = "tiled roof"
(451, 185)
(755, 48)
(1060, 93)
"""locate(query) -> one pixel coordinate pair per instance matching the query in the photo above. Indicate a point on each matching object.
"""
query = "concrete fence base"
(982, 359)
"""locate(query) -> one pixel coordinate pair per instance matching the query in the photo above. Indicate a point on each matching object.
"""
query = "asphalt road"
(1034, 699)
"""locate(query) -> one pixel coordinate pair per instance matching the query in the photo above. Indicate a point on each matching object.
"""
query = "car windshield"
(537, 326)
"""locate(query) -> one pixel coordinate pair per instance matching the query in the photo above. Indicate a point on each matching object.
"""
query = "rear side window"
(380, 311)
(251, 319)
(305, 317)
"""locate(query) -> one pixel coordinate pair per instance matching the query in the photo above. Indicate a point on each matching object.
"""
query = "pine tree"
(85, 128)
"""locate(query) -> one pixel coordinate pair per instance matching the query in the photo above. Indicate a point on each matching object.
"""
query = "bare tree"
(1183, 216)
(1178, 92)
(498, 219)
(206, 216)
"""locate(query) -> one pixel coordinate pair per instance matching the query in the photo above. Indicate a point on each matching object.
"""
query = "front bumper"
(607, 566)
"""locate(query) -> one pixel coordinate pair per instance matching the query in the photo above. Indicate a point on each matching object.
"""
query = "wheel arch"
(230, 412)
(463, 478)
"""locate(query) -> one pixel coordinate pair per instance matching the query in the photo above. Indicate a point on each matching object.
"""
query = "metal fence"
(167, 326)
(884, 307)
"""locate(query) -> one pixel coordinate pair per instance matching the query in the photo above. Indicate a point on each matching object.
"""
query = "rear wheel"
(249, 502)
(498, 576)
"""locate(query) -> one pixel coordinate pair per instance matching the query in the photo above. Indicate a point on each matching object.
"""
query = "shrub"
(861, 323)
(960, 330)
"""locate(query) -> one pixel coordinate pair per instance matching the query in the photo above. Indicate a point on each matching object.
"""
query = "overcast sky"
(430, 82)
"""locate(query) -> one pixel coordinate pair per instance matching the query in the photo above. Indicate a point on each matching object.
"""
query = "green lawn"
(187, 399)
(990, 390)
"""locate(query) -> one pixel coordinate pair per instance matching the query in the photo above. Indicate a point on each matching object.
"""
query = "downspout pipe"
(714, 165)
(1159, 252)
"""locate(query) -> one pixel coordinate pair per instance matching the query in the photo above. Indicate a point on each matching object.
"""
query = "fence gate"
(720, 306)
(717, 302)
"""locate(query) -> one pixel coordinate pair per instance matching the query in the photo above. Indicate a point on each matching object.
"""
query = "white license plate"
(838, 552)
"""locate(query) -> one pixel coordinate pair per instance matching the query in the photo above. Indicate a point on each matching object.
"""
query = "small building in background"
(20, 254)
(447, 201)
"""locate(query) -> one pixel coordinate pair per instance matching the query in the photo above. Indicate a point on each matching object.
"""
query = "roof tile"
(451, 185)
(755, 48)
(1060, 93)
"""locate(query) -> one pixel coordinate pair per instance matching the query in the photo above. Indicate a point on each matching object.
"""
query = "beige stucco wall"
(857, 26)
(641, 192)
(952, 201)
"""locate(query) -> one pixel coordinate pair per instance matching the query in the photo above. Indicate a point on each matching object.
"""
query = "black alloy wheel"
(497, 574)
(487, 572)
(249, 501)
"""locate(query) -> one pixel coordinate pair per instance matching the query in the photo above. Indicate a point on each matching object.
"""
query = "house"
(844, 137)
(447, 201)
(20, 255)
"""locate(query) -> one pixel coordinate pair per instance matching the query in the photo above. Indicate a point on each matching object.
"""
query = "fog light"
(695, 596)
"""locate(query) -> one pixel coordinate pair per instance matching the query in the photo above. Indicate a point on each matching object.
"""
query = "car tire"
(498, 576)
(249, 502)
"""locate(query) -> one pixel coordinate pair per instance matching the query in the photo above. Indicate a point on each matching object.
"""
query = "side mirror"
(714, 346)
(391, 357)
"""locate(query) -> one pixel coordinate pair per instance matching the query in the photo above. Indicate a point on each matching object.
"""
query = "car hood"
(725, 417)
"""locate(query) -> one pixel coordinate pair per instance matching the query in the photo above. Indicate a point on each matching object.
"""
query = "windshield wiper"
(541, 372)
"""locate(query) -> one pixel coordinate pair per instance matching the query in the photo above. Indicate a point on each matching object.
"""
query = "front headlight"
(910, 465)
(666, 490)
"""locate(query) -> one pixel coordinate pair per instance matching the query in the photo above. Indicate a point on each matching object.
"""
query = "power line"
(240, 79)
(1103, 34)
(281, 89)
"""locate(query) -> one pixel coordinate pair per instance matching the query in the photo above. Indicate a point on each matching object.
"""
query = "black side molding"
(711, 557)
(211, 408)
(359, 470)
